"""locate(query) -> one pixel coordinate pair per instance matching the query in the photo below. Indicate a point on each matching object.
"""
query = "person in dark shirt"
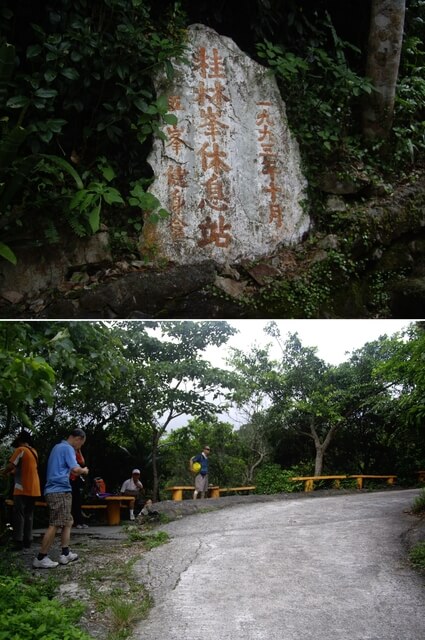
(201, 479)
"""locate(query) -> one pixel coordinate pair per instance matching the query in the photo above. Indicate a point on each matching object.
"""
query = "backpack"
(98, 486)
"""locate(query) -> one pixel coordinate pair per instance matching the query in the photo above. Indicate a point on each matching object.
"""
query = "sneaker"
(85, 526)
(46, 563)
(80, 526)
(132, 517)
(69, 558)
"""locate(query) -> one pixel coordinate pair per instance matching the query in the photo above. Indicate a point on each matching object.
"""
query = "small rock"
(263, 272)
(14, 297)
(232, 288)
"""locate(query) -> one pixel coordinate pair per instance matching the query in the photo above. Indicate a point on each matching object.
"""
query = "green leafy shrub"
(26, 613)
(321, 93)
(271, 478)
(79, 88)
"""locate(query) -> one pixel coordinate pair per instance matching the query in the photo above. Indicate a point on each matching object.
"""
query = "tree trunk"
(155, 488)
(318, 462)
(383, 60)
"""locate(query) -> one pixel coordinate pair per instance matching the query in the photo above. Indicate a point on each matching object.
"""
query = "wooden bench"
(236, 489)
(310, 480)
(113, 507)
(177, 492)
(360, 477)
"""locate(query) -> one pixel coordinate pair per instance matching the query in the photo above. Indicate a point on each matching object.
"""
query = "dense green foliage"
(80, 89)
(27, 611)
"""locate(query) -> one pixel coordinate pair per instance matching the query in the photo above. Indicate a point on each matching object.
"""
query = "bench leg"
(308, 485)
(177, 494)
(113, 513)
(337, 483)
(390, 480)
(359, 483)
(214, 493)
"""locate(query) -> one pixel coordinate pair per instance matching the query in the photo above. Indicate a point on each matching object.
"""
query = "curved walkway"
(321, 569)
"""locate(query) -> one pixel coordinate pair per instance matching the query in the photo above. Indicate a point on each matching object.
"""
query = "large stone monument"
(229, 171)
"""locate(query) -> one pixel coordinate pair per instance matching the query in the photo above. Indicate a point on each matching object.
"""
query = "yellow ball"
(196, 467)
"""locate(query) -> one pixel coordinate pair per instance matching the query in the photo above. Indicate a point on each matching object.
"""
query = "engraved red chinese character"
(273, 190)
(214, 233)
(177, 201)
(215, 156)
(211, 123)
(216, 66)
(174, 103)
(264, 117)
(177, 176)
(215, 196)
(275, 214)
(176, 141)
(178, 227)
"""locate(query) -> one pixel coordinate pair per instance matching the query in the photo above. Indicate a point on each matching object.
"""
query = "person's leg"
(198, 486)
(48, 539)
(59, 516)
(147, 506)
(28, 520)
(18, 521)
(204, 491)
(76, 503)
(66, 555)
(65, 536)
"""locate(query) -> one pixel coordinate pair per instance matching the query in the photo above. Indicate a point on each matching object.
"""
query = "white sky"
(333, 338)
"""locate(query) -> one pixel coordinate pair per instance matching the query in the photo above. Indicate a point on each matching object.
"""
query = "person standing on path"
(23, 464)
(201, 479)
(58, 495)
(77, 483)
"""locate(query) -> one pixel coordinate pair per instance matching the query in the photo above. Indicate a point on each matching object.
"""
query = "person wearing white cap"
(133, 487)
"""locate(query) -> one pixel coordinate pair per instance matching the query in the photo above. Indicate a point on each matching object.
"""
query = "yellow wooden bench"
(310, 480)
(360, 477)
(177, 491)
(236, 489)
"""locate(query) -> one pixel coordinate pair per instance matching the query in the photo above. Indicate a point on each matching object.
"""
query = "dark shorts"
(59, 509)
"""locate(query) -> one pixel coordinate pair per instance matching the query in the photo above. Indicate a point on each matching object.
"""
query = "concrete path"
(332, 568)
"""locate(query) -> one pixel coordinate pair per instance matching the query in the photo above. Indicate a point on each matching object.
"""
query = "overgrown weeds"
(98, 594)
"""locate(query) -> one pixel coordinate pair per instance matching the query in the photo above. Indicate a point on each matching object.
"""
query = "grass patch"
(116, 595)
(417, 556)
(149, 540)
(418, 505)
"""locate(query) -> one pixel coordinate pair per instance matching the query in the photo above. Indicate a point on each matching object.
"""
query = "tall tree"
(169, 379)
(383, 61)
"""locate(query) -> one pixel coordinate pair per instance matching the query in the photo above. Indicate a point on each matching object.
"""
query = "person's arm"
(124, 487)
(9, 468)
(80, 471)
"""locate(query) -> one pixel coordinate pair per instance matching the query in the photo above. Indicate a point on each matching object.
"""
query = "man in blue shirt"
(201, 479)
(58, 495)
